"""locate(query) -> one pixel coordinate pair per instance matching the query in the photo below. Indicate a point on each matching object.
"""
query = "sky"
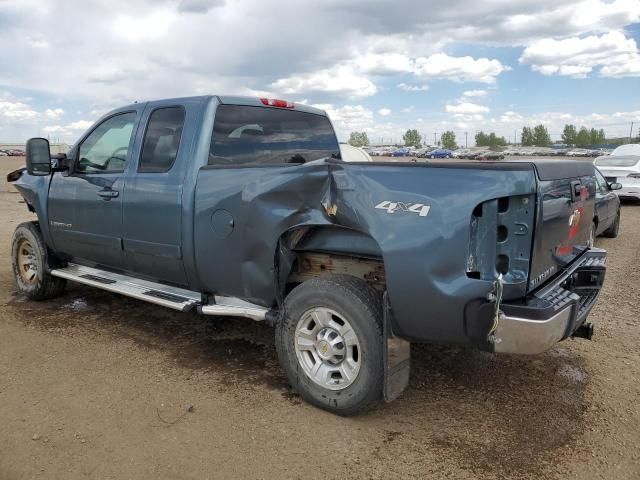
(375, 66)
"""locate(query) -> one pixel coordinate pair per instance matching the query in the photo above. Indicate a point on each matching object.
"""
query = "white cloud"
(511, 117)
(475, 93)
(413, 88)
(143, 27)
(69, 131)
(408, 109)
(348, 118)
(465, 108)
(383, 112)
(53, 112)
(459, 69)
(16, 111)
(612, 54)
(384, 63)
(341, 80)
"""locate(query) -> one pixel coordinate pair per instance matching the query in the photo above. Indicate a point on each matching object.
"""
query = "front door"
(85, 205)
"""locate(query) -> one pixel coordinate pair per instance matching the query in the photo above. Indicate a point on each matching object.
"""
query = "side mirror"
(615, 186)
(38, 156)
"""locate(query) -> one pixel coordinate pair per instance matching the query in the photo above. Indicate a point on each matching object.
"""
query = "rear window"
(245, 135)
(617, 161)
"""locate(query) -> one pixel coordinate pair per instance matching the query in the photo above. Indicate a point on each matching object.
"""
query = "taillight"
(634, 175)
(274, 102)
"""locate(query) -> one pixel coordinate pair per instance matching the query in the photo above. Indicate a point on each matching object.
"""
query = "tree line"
(411, 138)
(537, 136)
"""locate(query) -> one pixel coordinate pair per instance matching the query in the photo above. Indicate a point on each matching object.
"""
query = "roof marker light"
(273, 102)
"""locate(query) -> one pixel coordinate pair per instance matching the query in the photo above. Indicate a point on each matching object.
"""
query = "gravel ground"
(93, 385)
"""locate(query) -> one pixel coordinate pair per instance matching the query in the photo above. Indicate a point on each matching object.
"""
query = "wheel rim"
(27, 262)
(327, 348)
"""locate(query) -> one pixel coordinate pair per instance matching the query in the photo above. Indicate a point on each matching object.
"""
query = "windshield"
(630, 149)
(246, 135)
(613, 161)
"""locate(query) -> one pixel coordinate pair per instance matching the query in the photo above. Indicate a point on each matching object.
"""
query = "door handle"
(108, 194)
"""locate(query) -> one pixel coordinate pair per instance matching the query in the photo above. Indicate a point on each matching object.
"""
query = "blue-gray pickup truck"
(243, 206)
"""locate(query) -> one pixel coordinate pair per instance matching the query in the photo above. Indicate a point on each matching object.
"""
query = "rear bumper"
(553, 312)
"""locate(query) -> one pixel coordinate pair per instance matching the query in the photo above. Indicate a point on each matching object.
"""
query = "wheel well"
(308, 265)
(320, 251)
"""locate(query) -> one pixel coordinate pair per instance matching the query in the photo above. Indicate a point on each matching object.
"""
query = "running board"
(234, 307)
(158, 293)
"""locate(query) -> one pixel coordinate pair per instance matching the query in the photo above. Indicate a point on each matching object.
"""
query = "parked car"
(622, 169)
(349, 153)
(400, 152)
(627, 150)
(493, 156)
(477, 155)
(4, 154)
(606, 221)
(460, 153)
(578, 152)
(440, 153)
(208, 210)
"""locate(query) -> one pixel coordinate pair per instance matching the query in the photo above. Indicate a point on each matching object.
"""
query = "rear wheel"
(329, 342)
(612, 231)
(30, 261)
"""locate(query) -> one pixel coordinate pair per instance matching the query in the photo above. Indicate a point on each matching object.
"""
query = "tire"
(31, 260)
(612, 231)
(329, 301)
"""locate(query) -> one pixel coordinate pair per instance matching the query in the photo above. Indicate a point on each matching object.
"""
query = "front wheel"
(30, 261)
(329, 342)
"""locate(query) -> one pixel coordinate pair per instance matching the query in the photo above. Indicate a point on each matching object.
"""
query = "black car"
(606, 220)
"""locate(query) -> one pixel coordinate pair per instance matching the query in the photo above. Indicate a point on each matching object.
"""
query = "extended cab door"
(152, 213)
(85, 205)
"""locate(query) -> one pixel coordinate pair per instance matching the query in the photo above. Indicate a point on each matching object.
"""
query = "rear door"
(152, 214)
(85, 206)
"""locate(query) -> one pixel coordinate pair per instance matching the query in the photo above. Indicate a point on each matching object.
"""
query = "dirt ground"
(94, 385)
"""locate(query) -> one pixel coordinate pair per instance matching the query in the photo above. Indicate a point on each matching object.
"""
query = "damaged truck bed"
(242, 206)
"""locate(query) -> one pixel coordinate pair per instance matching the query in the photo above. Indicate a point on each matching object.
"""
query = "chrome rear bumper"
(554, 312)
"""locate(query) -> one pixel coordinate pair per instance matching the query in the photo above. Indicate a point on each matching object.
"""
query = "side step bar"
(158, 293)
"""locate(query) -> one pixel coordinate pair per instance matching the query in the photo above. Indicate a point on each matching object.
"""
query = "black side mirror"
(38, 156)
(615, 186)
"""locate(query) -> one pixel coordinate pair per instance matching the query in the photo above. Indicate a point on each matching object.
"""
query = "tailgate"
(566, 198)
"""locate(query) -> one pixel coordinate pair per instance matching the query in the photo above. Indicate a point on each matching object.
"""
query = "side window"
(602, 183)
(106, 147)
(161, 140)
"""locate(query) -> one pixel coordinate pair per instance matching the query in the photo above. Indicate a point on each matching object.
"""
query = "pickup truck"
(238, 206)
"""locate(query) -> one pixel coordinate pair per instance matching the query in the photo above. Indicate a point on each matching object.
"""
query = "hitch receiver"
(584, 331)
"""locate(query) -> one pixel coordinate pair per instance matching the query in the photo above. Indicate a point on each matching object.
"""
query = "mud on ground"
(94, 385)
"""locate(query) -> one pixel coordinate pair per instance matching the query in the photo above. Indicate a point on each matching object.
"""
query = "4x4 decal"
(391, 207)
